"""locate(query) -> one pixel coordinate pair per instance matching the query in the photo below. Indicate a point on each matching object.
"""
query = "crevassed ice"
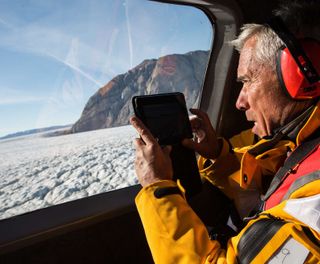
(37, 171)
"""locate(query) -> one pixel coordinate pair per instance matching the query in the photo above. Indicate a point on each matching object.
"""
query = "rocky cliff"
(111, 105)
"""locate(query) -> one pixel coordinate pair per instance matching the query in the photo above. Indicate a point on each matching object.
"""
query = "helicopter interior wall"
(118, 240)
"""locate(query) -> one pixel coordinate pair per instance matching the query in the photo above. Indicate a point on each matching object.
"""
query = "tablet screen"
(166, 117)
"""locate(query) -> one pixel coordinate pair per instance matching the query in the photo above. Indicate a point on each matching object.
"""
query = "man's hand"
(152, 163)
(205, 142)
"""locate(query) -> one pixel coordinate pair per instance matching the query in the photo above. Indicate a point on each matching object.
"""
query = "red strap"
(309, 164)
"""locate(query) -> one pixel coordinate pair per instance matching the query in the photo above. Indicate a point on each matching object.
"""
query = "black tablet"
(166, 116)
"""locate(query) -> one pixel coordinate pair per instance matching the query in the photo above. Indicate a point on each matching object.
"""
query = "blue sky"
(55, 54)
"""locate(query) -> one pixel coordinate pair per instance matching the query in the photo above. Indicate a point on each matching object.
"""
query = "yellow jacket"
(175, 234)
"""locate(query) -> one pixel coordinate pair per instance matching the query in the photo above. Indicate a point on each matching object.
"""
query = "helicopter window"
(68, 71)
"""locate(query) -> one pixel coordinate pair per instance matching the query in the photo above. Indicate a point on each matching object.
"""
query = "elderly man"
(288, 225)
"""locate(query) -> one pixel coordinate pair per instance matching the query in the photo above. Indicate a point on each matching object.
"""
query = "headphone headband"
(297, 52)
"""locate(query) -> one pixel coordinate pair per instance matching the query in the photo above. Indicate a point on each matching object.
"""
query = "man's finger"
(138, 143)
(167, 150)
(200, 114)
(200, 135)
(189, 143)
(143, 131)
(195, 122)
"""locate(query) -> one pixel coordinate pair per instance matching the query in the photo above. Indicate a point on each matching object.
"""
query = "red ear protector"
(298, 63)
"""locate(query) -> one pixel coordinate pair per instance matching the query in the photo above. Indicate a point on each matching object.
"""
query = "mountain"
(36, 131)
(111, 105)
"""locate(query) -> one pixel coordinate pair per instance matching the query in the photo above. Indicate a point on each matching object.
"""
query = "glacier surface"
(38, 171)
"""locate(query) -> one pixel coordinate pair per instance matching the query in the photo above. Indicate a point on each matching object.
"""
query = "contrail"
(129, 35)
(89, 77)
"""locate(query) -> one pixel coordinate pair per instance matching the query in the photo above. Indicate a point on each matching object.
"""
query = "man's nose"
(242, 101)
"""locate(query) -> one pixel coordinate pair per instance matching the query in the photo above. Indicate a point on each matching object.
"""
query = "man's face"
(259, 96)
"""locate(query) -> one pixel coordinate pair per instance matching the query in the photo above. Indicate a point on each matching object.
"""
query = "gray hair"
(267, 46)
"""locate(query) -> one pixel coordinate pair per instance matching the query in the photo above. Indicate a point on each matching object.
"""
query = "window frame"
(23, 230)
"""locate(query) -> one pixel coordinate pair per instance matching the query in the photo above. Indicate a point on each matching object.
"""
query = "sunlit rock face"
(111, 105)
